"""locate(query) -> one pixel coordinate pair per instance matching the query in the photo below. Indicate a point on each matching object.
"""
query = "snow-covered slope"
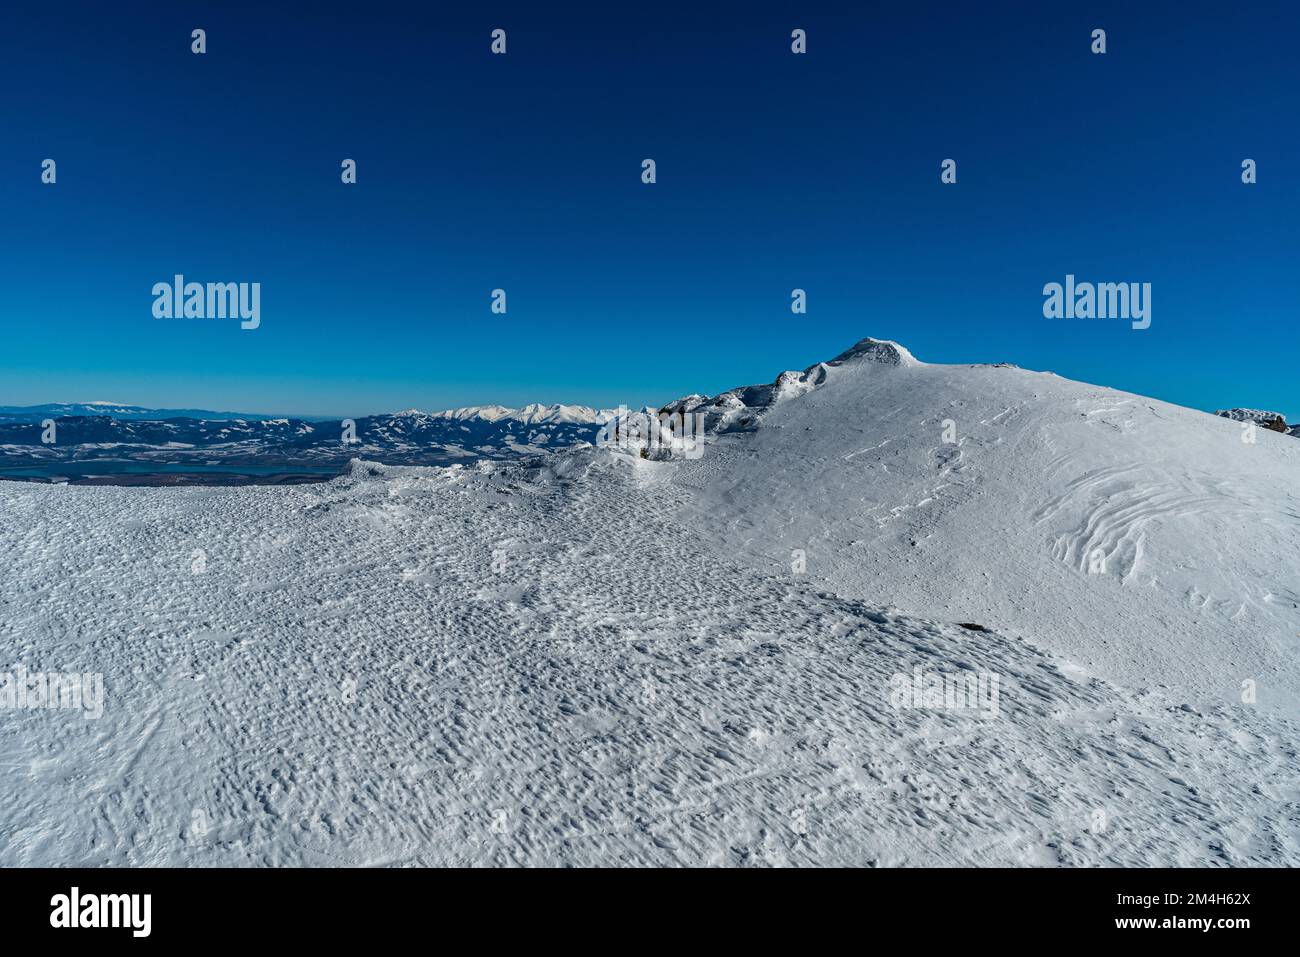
(499, 665)
(1147, 542)
(594, 658)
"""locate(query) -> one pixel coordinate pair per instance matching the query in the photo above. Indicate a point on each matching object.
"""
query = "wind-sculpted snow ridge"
(741, 409)
(546, 664)
(1150, 544)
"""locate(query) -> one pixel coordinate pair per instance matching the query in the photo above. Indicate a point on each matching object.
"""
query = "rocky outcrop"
(1265, 420)
(740, 409)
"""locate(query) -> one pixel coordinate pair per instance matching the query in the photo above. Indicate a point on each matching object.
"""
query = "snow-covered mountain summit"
(876, 350)
(1148, 542)
(741, 408)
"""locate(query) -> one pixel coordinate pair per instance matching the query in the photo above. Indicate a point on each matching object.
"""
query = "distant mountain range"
(117, 410)
(86, 433)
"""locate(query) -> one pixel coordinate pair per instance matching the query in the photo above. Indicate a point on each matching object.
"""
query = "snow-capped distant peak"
(485, 413)
(534, 413)
(537, 413)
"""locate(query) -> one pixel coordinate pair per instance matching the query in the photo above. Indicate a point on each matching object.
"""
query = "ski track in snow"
(503, 664)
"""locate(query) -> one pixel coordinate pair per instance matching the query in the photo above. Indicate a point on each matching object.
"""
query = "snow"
(593, 658)
(1249, 415)
(742, 409)
(532, 414)
(488, 413)
(537, 413)
(884, 351)
(1272, 420)
(1147, 542)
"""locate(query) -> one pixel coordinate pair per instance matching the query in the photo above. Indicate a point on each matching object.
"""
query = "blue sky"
(522, 171)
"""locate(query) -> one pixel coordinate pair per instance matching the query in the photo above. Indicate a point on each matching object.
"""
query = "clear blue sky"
(523, 171)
